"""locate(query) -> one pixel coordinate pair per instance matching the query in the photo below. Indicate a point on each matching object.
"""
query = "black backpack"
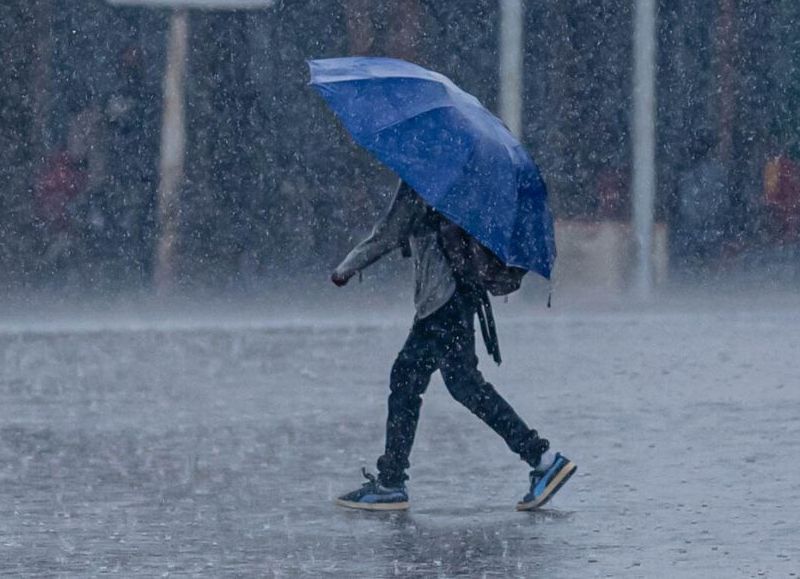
(475, 265)
(483, 273)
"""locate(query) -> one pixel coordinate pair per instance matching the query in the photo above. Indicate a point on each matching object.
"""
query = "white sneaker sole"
(373, 506)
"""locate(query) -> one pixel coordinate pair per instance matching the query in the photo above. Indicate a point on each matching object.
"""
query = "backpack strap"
(475, 292)
(405, 248)
(488, 327)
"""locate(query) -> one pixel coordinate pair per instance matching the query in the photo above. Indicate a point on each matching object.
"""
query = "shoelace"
(371, 480)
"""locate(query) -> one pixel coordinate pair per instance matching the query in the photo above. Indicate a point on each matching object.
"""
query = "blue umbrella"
(457, 155)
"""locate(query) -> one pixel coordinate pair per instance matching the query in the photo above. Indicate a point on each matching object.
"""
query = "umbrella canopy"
(457, 155)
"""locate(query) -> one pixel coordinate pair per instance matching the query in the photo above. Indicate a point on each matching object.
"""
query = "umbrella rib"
(420, 113)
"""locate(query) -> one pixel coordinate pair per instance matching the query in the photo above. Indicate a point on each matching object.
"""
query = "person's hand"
(339, 279)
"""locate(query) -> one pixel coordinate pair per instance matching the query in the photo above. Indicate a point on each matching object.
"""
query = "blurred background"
(270, 185)
(183, 392)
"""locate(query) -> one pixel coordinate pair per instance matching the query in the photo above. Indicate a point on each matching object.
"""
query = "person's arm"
(388, 234)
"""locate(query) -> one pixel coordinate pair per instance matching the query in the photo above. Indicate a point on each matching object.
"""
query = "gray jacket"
(408, 221)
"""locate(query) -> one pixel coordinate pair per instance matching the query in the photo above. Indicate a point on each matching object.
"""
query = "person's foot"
(546, 482)
(372, 496)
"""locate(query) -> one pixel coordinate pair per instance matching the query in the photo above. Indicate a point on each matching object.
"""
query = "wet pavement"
(217, 450)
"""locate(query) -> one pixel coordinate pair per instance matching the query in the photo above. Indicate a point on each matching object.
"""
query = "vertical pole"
(725, 47)
(644, 139)
(360, 30)
(404, 18)
(173, 145)
(511, 51)
(42, 97)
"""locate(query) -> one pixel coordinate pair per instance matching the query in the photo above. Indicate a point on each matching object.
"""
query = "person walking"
(447, 297)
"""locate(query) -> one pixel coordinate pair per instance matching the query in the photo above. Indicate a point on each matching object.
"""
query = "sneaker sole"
(373, 506)
(558, 481)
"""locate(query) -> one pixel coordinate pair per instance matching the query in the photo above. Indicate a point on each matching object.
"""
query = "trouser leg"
(466, 384)
(410, 376)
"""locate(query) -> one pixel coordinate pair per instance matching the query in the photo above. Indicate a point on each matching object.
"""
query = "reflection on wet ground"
(220, 451)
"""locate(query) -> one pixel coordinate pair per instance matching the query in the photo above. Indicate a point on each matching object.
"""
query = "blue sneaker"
(372, 496)
(544, 484)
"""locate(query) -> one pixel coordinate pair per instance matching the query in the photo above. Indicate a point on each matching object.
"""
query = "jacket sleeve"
(390, 233)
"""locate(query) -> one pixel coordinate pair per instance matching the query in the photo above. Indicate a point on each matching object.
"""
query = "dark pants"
(445, 341)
